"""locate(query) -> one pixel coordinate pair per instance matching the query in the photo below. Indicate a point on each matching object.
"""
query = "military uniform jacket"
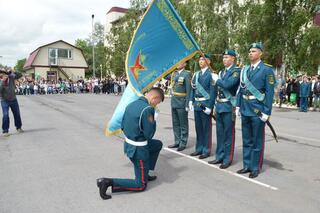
(304, 89)
(138, 124)
(206, 82)
(262, 78)
(229, 80)
(181, 89)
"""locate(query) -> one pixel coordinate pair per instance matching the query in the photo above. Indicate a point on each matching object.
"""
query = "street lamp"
(92, 40)
(100, 72)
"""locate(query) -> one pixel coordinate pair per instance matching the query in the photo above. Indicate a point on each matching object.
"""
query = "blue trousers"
(303, 104)
(203, 125)
(253, 138)
(5, 105)
(225, 131)
(142, 165)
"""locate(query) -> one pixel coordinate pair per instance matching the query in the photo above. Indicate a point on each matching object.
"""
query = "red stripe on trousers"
(142, 178)
(232, 144)
(261, 154)
(210, 134)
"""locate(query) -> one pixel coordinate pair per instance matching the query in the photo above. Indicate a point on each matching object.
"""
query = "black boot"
(103, 184)
(151, 178)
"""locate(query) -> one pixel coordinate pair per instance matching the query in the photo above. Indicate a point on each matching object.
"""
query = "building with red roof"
(56, 60)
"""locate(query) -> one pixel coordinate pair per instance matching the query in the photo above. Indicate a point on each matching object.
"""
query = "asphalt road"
(53, 165)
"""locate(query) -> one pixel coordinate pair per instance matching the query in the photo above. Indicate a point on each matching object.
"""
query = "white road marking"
(223, 170)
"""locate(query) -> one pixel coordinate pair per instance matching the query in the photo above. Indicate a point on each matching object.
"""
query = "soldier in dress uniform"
(254, 104)
(227, 83)
(202, 101)
(139, 127)
(180, 83)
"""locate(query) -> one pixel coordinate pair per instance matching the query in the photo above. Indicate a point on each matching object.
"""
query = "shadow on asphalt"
(276, 165)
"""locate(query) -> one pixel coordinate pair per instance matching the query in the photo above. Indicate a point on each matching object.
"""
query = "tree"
(19, 65)
(284, 27)
(100, 50)
(120, 36)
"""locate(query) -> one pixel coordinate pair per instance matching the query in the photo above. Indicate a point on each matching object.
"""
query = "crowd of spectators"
(91, 85)
(289, 91)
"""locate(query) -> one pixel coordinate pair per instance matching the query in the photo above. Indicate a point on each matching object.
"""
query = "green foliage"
(120, 36)
(99, 48)
(19, 65)
(283, 26)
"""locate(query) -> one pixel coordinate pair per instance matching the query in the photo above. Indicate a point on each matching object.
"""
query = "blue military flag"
(160, 42)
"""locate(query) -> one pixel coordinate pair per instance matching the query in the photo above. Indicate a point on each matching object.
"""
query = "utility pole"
(92, 41)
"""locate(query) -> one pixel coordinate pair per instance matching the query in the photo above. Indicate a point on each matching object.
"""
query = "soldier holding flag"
(139, 127)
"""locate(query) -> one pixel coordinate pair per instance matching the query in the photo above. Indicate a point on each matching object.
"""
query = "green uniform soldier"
(181, 86)
(139, 127)
(254, 105)
(227, 83)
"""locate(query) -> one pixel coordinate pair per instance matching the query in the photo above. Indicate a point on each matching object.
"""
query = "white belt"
(249, 97)
(200, 99)
(222, 100)
(136, 143)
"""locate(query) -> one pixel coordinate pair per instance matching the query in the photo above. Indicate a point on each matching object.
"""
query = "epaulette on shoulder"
(268, 65)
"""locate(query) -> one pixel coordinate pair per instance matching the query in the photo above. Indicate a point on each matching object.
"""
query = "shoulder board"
(269, 65)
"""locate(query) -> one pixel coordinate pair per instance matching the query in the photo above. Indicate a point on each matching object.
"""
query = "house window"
(64, 53)
(53, 56)
(55, 53)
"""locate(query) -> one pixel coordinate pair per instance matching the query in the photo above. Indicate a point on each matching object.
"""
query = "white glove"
(190, 106)
(215, 77)
(207, 111)
(238, 112)
(156, 114)
(264, 117)
(187, 109)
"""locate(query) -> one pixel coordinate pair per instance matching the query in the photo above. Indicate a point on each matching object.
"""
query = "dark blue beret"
(257, 45)
(230, 52)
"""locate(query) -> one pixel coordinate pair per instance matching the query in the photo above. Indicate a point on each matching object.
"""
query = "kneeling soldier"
(138, 126)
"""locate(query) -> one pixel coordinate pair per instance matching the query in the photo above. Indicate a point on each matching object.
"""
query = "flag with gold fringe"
(160, 42)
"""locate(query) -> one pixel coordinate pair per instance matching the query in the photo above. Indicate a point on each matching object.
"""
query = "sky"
(27, 24)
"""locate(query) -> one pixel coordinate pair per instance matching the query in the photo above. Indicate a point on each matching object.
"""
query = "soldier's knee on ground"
(157, 143)
(141, 186)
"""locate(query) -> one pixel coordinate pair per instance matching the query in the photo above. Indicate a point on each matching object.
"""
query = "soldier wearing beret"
(227, 83)
(202, 101)
(254, 104)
